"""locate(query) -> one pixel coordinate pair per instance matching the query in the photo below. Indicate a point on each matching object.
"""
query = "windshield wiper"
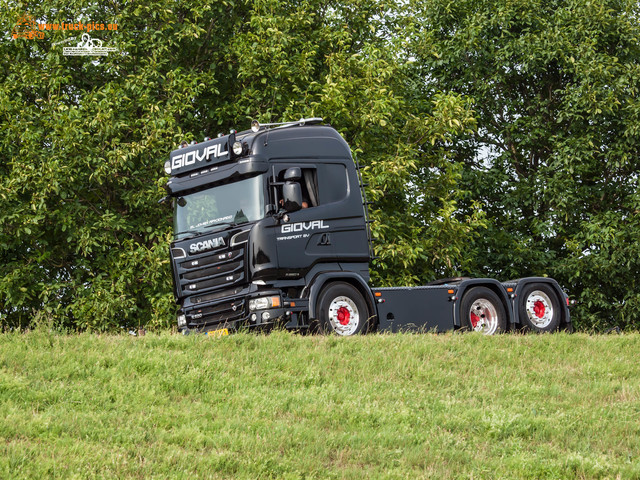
(185, 232)
(206, 227)
(229, 224)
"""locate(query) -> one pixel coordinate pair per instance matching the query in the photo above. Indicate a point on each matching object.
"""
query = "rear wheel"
(342, 310)
(482, 311)
(539, 308)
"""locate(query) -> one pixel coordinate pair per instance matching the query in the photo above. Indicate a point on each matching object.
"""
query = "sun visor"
(200, 155)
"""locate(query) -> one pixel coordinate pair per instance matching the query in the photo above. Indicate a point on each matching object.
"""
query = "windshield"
(229, 204)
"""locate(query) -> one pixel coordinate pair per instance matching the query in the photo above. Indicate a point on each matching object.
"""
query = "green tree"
(555, 158)
(348, 64)
(83, 240)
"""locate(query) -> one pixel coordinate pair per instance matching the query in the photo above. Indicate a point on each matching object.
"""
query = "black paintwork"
(415, 309)
(296, 254)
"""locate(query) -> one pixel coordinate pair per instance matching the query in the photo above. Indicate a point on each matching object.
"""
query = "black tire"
(481, 310)
(539, 308)
(342, 310)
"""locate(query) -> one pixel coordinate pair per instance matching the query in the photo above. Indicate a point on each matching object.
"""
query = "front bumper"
(230, 313)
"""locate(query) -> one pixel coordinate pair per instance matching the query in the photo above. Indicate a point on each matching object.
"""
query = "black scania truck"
(271, 229)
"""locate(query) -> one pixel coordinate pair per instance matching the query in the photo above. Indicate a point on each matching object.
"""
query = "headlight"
(264, 302)
(182, 320)
(237, 148)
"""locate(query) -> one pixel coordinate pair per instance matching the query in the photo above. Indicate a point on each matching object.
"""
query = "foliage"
(82, 236)
(417, 234)
(83, 140)
(497, 138)
(290, 407)
(555, 158)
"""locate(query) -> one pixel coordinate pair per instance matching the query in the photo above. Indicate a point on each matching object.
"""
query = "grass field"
(285, 406)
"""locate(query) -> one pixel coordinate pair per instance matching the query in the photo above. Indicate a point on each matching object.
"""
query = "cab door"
(329, 228)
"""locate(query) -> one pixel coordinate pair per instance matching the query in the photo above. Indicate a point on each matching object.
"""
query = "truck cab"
(259, 216)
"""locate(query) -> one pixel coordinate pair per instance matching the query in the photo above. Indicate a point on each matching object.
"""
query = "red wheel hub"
(344, 316)
(539, 309)
(474, 320)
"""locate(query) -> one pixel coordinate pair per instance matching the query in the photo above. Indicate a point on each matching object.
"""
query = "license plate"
(218, 333)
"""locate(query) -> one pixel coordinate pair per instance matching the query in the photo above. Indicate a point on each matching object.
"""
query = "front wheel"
(482, 311)
(342, 310)
(539, 308)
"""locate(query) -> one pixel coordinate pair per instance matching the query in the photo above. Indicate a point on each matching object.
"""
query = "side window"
(308, 185)
(326, 183)
(332, 179)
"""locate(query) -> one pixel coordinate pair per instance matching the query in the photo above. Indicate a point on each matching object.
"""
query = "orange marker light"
(509, 289)
(378, 294)
(449, 291)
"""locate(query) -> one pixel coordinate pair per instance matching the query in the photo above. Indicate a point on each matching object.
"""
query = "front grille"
(213, 282)
(212, 259)
(212, 271)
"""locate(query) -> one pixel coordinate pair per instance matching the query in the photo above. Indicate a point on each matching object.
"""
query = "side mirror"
(292, 194)
(292, 174)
